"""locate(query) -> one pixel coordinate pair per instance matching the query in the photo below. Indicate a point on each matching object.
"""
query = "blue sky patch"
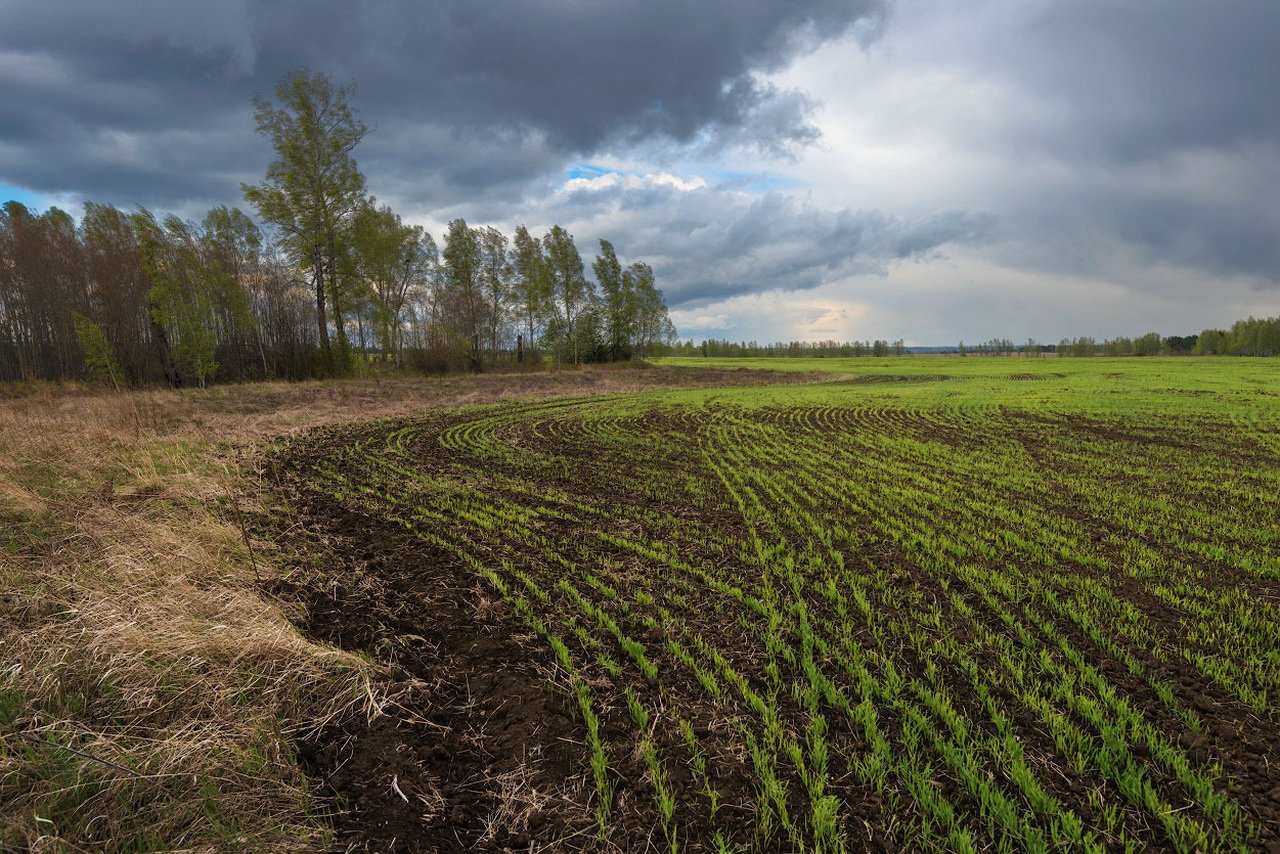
(34, 201)
(586, 170)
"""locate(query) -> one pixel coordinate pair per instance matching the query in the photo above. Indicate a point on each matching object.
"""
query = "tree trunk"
(171, 374)
(262, 350)
(322, 321)
(344, 349)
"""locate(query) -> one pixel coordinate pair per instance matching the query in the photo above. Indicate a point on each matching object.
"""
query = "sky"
(815, 169)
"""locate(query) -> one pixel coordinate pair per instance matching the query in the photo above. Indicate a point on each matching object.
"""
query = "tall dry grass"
(149, 692)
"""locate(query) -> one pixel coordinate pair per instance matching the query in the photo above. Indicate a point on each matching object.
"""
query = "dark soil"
(474, 752)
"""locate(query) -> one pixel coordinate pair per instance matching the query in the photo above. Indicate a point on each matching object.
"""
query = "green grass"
(1010, 604)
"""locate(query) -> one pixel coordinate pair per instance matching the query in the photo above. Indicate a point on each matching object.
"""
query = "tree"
(1147, 345)
(1084, 346)
(100, 362)
(463, 301)
(495, 278)
(570, 292)
(314, 187)
(618, 295)
(41, 282)
(181, 296)
(392, 259)
(532, 283)
(117, 288)
(231, 243)
(651, 324)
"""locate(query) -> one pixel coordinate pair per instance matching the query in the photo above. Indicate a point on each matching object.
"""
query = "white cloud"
(623, 181)
(690, 322)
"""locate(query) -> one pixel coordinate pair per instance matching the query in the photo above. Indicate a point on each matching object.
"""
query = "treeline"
(130, 299)
(1150, 344)
(788, 349)
(1251, 337)
(483, 298)
(334, 281)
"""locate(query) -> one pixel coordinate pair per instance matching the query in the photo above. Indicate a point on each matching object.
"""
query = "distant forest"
(1252, 337)
(334, 281)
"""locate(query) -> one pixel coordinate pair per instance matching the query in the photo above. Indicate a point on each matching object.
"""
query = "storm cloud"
(716, 242)
(153, 99)
(855, 168)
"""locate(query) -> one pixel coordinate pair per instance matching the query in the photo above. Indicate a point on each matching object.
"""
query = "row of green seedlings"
(986, 522)
(380, 488)
(1130, 663)
(826, 827)
(1164, 753)
(739, 443)
(911, 767)
(498, 520)
(1126, 628)
(766, 713)
(1235, 647)
(1230, 639)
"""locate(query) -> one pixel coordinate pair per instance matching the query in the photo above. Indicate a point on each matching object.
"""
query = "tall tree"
(394, 259)
(651, 323)
(183, 286)
(495, 277)
(531, 283)
(231, 244)
(118, 288)
(617, 292)
(314, 186)
(571, 293)
(41, 284)
(463, 299)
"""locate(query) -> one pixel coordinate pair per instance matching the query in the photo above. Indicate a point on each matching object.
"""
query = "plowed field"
(930, 607)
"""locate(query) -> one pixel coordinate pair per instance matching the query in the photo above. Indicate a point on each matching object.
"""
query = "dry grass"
(149, 692)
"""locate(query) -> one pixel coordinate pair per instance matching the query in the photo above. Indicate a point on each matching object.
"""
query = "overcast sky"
(922, 169)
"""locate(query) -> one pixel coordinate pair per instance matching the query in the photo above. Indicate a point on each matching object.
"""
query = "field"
(930, 603)
(927, 603)
(154, 693)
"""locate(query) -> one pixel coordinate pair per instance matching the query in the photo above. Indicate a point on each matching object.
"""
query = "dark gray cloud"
(1203, 216)
(1128, 82)
(709, 244)
(149, 101)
